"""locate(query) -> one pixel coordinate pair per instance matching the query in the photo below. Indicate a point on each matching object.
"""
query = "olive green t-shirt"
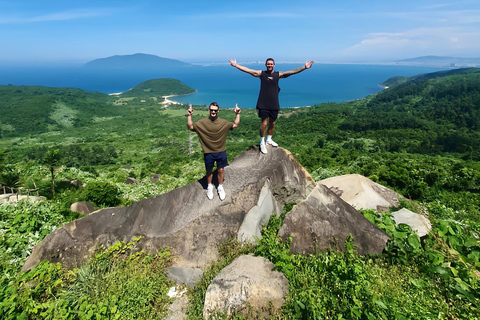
(213, 134)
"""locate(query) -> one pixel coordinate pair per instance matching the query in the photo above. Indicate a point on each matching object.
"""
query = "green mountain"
(36, 109)
(158, 88)
(399, 80)
(445, 104)
(136, 61)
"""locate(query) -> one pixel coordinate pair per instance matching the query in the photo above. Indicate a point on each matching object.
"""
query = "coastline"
(167, 101)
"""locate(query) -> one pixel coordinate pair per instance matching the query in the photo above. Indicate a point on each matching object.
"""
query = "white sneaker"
(263, 148)
(210, 192)
(272, 143)
(221, 192)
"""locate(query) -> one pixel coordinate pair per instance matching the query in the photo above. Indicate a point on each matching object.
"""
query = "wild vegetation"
(419, 138)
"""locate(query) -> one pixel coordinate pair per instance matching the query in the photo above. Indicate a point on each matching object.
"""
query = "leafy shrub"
(115, 284)
(102, 194)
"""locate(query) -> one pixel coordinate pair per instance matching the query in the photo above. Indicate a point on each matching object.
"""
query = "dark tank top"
(268, 96)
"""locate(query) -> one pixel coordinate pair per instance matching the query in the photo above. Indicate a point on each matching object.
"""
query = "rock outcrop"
(82, 207)
(14, 197)
(362, 193)
(419, 223)
(257, 186)
(247, 281)
(324, 221)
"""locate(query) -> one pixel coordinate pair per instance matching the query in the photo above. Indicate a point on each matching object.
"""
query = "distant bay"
(223, 83)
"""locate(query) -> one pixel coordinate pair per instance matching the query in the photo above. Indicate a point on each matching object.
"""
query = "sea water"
(224, 84)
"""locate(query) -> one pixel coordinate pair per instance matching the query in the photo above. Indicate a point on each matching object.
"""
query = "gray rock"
(362, 193)
(248, 280)
(131, 180)
(155, 177)
(82, 207)
(185, 276)
(324, 221)
(178, 309)
(258, 215)
(76, 183)
(419, 223)
(184, 219)
(14, 197)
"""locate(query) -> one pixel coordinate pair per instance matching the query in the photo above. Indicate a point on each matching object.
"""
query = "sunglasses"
(211, 110)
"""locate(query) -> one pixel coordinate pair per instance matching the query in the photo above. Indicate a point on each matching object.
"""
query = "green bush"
(102, 194)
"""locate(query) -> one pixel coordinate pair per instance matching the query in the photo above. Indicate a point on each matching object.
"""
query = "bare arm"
(255, 73)
(237, 110)
(285, 74)
(189, 119)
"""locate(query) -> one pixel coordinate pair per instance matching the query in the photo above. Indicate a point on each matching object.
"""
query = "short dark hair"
(271, 59)
(214, 104)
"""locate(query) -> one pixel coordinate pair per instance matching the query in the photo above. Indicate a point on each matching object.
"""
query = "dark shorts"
(263, 114)
(219, 157)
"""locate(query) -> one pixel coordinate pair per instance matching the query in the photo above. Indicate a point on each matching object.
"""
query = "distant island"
(138, 61)
(440, 62)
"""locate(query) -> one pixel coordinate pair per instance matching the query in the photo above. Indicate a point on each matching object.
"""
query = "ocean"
(224, 84)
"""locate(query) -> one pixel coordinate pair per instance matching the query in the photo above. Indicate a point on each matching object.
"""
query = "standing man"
(267, 103)
(212, 133)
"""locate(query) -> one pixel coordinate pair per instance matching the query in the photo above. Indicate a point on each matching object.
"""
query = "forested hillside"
(158, 88)
(419, 138)
(36, 109)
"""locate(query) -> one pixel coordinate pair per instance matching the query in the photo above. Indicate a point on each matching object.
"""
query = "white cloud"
(58, 16)
(421, 41)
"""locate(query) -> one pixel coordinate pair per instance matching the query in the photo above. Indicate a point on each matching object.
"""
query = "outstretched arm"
(255, 73)
(189, 118)
(285, 74)
(237, 110)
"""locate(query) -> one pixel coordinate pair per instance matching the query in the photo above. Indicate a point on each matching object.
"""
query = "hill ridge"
(135, 61)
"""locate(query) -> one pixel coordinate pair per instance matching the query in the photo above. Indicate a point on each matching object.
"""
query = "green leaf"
(414, 241)
(470, 242)
(442, 272)
(381, 304)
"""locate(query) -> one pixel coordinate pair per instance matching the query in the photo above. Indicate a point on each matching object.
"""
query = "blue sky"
(54, 31)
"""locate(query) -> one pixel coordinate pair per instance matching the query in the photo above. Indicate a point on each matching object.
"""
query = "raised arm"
(285, 74)
(237, 110)
(189, 118)
(255, 73)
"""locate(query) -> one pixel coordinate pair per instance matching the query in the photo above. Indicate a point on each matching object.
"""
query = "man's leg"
(263, 128)
(220, 175)
(209, 176)
(207, 158)
(271, 126)
(221, 163)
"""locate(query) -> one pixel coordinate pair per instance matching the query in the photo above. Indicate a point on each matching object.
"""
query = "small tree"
(9, 176)
(52, 159)
(102, 194)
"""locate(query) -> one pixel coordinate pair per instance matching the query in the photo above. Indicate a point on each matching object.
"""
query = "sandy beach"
(167, 101)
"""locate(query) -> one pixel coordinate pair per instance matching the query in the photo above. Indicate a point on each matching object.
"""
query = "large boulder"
(324, 220)
(362, 193)
(257, 185)
(420, 224)
(82, 207)
(247, 281)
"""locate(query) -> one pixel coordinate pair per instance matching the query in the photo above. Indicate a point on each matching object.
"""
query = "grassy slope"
(329, 139)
